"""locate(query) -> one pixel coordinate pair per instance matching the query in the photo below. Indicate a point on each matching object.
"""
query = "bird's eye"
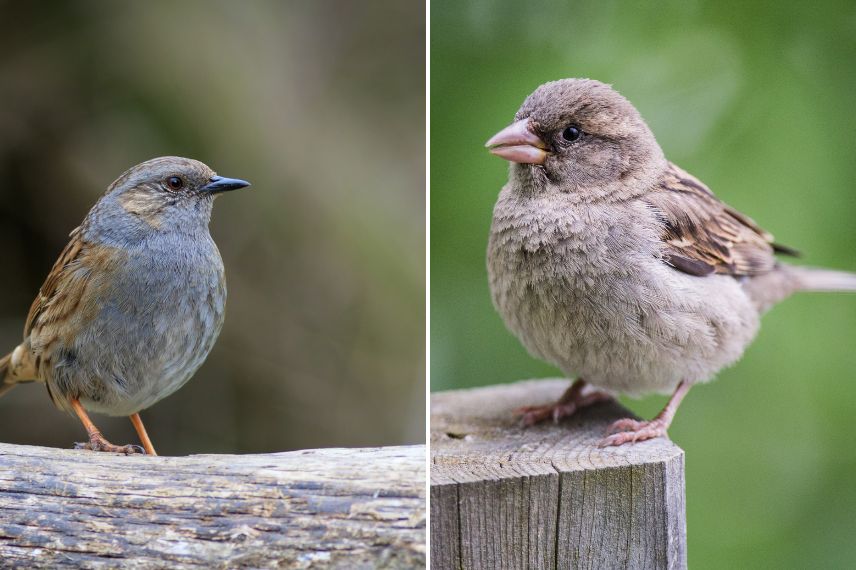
(175, 183)
(571, 134)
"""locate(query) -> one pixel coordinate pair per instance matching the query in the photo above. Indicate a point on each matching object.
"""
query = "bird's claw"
(625, 424)
(628, 431)
(98, 443)
(531, 415)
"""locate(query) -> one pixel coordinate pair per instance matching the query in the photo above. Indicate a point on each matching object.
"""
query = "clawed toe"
(625, 424)
(101, 444)
(628, 431)
(576, 397)
(97, 442)
(531, 415)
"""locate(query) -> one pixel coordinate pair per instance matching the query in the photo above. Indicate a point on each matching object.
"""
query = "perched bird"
(134, 303)
(616, 266)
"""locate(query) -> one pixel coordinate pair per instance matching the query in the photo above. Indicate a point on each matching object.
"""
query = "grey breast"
(155, 326)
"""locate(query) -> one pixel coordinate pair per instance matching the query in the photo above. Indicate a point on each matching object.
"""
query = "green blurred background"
(321, 105)
(754, 98)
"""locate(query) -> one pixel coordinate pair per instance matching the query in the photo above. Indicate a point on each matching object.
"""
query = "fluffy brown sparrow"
(135, 301)
(613, 264)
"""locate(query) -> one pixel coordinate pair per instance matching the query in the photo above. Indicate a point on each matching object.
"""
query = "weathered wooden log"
(503, 496)
(341, 508)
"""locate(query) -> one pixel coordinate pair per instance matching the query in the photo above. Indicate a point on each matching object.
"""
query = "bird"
(134, 303)
(618, 267)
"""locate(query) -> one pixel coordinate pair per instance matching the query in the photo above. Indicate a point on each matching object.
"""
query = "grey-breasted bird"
(615, 265)
(134, 303)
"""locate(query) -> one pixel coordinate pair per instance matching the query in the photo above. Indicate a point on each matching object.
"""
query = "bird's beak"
(518, 143)
(220, 184)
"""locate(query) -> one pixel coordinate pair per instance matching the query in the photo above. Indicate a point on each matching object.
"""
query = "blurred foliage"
(755, 98)
(321, 106)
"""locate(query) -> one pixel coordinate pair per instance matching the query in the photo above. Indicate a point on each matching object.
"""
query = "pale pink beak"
(517, 143)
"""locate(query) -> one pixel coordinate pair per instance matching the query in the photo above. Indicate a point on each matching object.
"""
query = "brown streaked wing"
(702, 235)
(45, 308)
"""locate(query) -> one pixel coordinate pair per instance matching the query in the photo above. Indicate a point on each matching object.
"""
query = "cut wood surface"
(504, 496)
(342, 508)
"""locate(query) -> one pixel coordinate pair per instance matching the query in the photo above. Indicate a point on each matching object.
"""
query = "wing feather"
(54, 302)
(703, 235)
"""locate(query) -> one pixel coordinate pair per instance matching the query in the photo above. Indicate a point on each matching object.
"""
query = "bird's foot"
(531, 415)
(573, 400)
(628, 430)
(97, 442)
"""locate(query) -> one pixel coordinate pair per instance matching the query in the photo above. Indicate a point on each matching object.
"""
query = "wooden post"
(503, 496)
(343, 508)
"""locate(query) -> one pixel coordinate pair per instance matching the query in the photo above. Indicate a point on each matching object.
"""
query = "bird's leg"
(97, 442)
(141, 432)
(627, 429)
(572, 400)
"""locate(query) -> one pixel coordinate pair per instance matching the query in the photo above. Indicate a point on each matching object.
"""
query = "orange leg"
(627, 430)
(141, 432)
(97, 442)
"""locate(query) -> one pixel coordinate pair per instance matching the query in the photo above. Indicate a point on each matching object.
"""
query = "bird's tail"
(16, 367)
(6, 382)
(769, 288)
(817, 279)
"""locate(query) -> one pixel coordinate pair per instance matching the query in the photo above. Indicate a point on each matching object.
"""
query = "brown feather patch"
(68, 298)
(144, 205)
(703, 235)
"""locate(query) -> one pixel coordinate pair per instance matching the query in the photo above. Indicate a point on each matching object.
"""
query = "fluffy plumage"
(615, 265)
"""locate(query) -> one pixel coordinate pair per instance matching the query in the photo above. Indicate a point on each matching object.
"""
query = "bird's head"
(169, 193)
(578, 136)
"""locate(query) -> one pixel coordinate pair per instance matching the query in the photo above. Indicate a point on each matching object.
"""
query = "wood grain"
(503, 496)
(340, 508)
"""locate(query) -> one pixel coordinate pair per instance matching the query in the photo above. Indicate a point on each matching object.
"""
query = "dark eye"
(175, 183)
(571, 134)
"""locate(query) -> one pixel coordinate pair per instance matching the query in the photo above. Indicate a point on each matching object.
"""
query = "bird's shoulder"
(66, 296)
(702, 235)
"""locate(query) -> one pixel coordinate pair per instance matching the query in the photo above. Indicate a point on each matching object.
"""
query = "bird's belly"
(628, 331)
(155, 375)
(146, 340)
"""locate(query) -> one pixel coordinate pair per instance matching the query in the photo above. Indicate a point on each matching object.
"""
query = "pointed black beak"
(220, 184)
